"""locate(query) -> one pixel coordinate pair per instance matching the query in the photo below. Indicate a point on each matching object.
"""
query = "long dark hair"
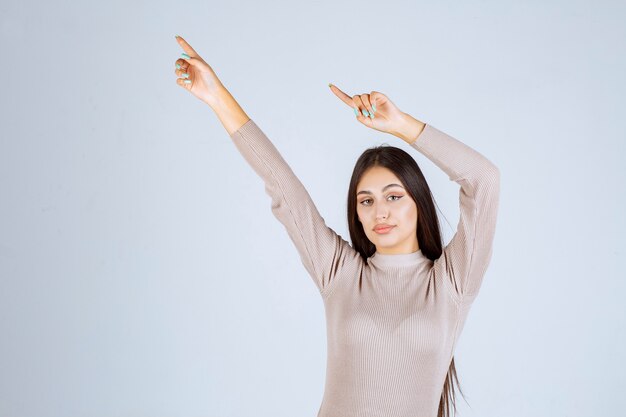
(406, 169)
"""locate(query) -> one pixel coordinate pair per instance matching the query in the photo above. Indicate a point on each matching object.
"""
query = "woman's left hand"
(383, 115)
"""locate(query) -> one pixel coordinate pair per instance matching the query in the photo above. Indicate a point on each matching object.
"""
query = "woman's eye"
(396, 196)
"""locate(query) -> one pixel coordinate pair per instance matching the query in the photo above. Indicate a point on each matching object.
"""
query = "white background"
(143, 274)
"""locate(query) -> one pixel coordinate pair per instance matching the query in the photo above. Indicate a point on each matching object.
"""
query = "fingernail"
(187, 81)
(330, 84)
(365, 113)
(374, 107)
(176, 36)
(372, 115)
(184, 55)
(177, 66)
(184, 74)
(356, 111)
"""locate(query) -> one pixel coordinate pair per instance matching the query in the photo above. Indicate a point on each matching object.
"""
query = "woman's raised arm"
(325, 255)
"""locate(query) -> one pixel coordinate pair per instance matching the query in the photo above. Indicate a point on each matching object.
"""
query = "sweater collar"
(385, 260)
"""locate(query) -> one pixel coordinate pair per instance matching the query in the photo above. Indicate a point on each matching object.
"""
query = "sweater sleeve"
(324, 254)
(464, 260)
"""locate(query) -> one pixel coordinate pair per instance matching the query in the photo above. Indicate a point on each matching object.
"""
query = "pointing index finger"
(186, 47)
(342, 96)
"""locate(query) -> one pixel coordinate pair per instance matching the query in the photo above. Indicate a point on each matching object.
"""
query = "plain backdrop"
(142, 272)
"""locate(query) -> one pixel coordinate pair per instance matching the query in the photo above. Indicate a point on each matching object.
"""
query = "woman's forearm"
(229, 111)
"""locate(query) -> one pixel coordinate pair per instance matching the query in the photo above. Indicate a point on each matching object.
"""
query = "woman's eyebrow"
(384, 188)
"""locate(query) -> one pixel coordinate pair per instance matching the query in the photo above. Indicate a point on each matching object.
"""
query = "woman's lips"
(383, 231)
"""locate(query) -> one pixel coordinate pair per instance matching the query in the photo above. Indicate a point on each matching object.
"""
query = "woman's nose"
(382, 212)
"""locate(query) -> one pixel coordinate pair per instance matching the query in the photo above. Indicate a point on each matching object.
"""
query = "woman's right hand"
(202, 81)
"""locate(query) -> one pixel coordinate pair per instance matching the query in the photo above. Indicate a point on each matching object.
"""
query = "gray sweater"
(392, 321)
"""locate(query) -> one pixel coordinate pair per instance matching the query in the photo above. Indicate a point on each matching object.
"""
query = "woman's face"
(382, 199)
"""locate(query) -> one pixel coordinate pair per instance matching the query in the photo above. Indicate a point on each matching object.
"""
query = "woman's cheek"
(409, 213)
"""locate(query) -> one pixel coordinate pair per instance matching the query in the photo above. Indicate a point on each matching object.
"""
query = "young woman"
(395, 301)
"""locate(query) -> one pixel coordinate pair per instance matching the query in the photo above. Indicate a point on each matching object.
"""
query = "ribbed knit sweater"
(392, 321)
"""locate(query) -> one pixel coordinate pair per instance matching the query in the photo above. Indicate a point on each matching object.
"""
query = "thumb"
(193, 61)
(378, 98)
(197, 63)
